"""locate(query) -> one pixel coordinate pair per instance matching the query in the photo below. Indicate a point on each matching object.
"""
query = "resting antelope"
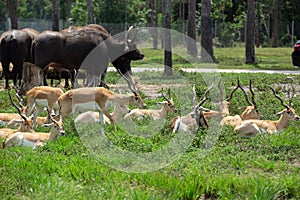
(167, 107)
(251, 111)
(29, 139)
(253, 127)
(25, 123)
(41, 97)
(195, 118)
(91, 117)
(224, 104)
(96, 98)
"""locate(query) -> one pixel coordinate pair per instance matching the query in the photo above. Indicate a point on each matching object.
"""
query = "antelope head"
(26, 123)
(289, 112)
(169, 103)
(225, 102)
(198, 109)
(136, 99)
(251, 111)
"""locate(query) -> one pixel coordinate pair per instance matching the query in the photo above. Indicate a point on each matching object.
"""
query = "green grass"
(261, 167)
(226, 58)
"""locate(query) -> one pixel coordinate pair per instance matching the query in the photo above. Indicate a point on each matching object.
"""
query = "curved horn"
(128, 82)
(19, 110)
(245, 93)
(278, 97)
(231, 93)
(205, 94)
(130, 41)
(20, 99)
(252, 94)
(194, 92)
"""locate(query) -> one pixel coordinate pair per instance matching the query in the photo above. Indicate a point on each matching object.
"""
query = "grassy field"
(81, 165)
(226, 58)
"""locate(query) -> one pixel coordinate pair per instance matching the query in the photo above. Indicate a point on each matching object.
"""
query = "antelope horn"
(128, 82)
(278, 97)
(231, 93)
(291, 95)
(252, 95)
(194, 92)
(205, 94)
(19, 110)
(20, 99)
(245, 93)
(220, 90)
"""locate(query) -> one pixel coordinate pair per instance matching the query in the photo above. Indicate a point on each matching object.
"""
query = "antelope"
(96, 98)
(196, 118)
(250, 112)
(29, 139)
(253, 127)
(41, 97)
(91, 117)
(25, 123)
(167, 107)
(224, 104)
(13, 123)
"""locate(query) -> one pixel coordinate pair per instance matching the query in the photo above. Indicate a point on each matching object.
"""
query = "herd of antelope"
(92, 103)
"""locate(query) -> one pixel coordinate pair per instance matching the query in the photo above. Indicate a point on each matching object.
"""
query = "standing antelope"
(41, 97)
(167, 107)
(251, 111)
(196, 118)
(253, 127)
(25, 123)
(29, 139)
(96, 98)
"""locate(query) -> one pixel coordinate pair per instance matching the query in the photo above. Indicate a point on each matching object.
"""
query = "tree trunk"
(55, 15)
(90, 11)
(250, 38)
(275, 39)
(154, 21)
(191, 42)
(167, 37)
(12, 13)
(207, 54)
(258, 27)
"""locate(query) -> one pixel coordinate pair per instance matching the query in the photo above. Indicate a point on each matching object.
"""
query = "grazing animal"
(29, 139)
(251, 111)
(254, 127)
(88, 48)
(15, 48)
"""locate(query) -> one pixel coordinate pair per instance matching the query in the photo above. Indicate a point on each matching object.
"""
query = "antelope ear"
(279, 113)
(206, 109)
(16, 121)
(163, 102)
(46, 125)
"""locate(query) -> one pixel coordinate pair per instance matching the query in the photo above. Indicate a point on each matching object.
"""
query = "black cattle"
(16, 49)
(88, 48)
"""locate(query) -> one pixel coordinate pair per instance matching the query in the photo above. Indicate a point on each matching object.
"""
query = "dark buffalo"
(89, 48)
(15, 48)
